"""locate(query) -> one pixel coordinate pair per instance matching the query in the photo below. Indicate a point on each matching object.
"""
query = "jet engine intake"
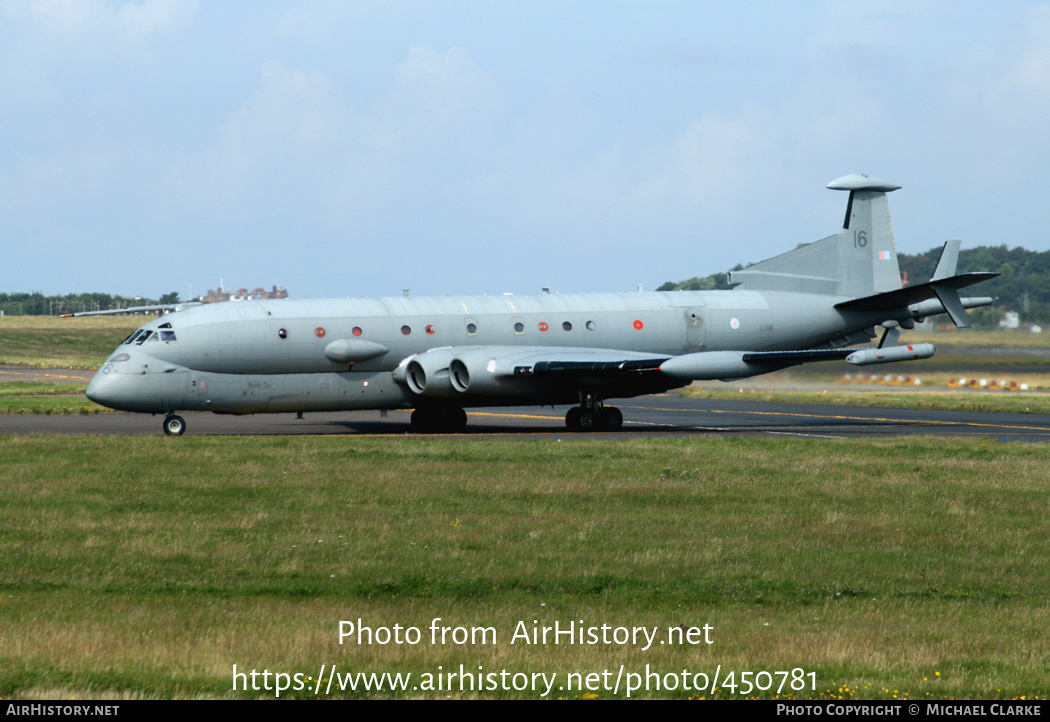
(478, 372)
(427, 374)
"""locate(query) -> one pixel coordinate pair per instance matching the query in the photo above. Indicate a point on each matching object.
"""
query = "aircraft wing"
(493, 370)
(450, 371)
(588, 361)
(166, 307)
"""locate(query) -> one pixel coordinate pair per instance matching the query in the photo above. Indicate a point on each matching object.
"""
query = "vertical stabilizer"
(860, 260)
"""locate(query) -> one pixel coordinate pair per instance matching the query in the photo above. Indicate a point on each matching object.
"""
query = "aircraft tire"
(572, 418)
(611, 419)
(455, 419)
(589, 421)
(423, 421)
(174, 425)
(437, 420)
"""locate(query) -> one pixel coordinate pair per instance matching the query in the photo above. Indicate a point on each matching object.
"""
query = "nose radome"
(102, 388)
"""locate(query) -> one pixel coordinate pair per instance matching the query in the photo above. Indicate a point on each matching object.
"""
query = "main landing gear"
(174, 425)
(593, 415)
(439, 420)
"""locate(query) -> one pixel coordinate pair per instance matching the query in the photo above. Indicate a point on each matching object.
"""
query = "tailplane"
(860, 260)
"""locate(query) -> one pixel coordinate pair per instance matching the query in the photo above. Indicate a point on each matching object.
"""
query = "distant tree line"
(37, 304)
(1023, 286)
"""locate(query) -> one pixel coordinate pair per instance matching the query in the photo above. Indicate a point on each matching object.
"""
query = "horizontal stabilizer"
(904, 297)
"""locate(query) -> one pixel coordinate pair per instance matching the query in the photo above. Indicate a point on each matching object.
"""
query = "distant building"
(243, 294)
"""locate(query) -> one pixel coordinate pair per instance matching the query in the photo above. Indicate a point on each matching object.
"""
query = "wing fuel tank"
(708, 365)
(869, 356)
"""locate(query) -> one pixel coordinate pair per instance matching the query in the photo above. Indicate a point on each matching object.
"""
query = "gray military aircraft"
(441, 355)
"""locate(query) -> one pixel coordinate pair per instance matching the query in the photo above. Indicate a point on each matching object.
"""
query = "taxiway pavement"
(667, 415)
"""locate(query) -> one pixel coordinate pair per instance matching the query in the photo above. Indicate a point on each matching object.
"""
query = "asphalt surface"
(667, 415)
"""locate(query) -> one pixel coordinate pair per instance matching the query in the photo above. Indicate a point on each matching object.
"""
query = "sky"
(352, 148)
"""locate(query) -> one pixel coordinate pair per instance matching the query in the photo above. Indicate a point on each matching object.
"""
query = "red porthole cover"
(319, 331)
(543, 326)
(638, 325)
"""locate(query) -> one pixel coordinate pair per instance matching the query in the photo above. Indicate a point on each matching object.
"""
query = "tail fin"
(859, 260)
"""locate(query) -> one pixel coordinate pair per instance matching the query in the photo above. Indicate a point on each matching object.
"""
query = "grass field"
(62, 342)
(148, 567)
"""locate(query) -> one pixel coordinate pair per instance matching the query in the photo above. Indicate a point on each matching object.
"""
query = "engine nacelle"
(480, 373)
(710, 365)
(427, 374)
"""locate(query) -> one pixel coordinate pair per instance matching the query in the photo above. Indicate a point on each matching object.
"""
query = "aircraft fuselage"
(270, 356)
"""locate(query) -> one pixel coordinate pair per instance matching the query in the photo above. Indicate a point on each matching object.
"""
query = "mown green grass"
(22, 397)
(62, 342)
(147, 567)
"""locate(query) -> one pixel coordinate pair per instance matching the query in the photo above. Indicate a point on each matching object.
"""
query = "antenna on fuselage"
(404, 292)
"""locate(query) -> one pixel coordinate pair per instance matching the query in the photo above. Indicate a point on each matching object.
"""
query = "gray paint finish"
(468, 351)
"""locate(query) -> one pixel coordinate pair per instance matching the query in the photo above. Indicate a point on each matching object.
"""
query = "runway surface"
(666, 415)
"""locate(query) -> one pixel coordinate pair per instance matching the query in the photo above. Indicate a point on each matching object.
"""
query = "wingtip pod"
(862, 182)
(869, 356)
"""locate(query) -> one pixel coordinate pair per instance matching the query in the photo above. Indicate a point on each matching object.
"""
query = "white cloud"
(102, 22)
(712, 155)
(1031, 70)
(436, 95)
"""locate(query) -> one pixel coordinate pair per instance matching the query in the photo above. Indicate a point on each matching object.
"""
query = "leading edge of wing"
(540, 361)
(545, 361)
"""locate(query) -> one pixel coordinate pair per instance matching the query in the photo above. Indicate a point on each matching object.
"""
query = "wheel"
(436, 420)
(612, 419)
(452, 420)
(588, 420)
(461, 419)
(423, 421)
(174, 425)
(572, 418)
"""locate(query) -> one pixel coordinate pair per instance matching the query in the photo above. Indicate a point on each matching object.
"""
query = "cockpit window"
(167, 335)
(131, 338)
(143, 337)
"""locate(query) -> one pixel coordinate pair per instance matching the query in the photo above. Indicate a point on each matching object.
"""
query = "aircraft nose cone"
(101, 389)
(114, 390)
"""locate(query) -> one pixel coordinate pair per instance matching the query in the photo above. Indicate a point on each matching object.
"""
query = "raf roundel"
(638, 325)
(320, 332)
(734, 324)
